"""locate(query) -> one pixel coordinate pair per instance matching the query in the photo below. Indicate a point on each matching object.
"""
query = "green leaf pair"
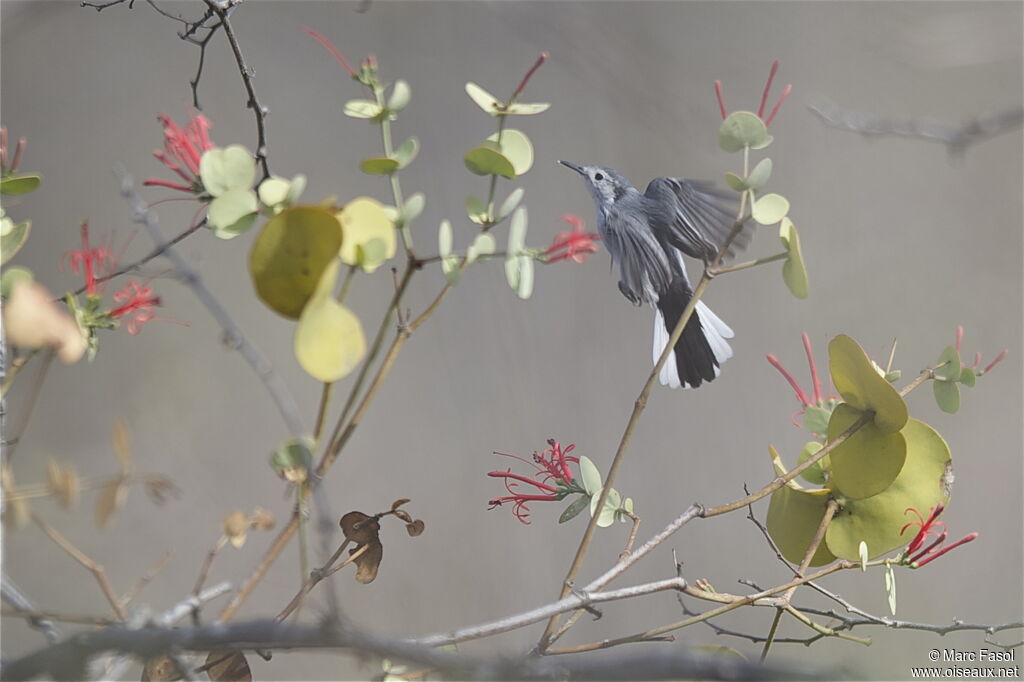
(228, 174)
(508, 154)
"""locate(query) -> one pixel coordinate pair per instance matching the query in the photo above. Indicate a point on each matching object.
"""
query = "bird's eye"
(598, 176)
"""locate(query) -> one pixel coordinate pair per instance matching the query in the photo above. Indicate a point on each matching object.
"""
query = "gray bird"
(646, 235)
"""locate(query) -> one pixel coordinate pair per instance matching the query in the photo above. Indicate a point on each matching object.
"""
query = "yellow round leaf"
(329, 340)
(290, 254)
(363, 220)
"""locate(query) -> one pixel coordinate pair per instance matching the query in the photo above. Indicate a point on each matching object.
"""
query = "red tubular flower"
(137, 304)
(329, 46)
(764, 96)
(911, 556)
(806, 401)
(553, 480)
(183, 148)
(89, 261)
(575, 244)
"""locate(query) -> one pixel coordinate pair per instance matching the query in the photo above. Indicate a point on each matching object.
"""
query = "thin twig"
(96, 569)
(286, 404)
(145, 579)
(259, 111)
(25, 608)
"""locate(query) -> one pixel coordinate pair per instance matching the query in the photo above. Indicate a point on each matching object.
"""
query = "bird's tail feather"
(702, 348)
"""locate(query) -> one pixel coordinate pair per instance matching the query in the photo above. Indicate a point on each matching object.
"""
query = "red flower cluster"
(183, 148)
(804, 399)
(95, 263)
(552, 466)
(575, 244)
(926, 528)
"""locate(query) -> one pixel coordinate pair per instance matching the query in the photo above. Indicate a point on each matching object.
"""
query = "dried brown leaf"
(236, 525)
(404, 515)
(111, 499)
(123, 446)
(415, 528)
(398, 503)
(16, 512)
(63, 482)
(160, 669)
(368, 562)
(228, 666)
(159, 488)
(360, 528)
(261, 519)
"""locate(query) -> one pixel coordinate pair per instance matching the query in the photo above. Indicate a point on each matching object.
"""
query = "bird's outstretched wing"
(694, 216)
(644, 269)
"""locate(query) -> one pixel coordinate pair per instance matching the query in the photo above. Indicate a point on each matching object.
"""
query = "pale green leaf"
(227, 168)
(400, 96)
(483, 99)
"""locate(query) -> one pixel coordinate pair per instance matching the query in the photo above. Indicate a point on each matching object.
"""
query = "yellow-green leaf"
(483, 99)
(868, 461)
(13, 238)
(329, 340)
(516, 147)
(363, 219)
(769, 209)
(19, 184)
(794, 272)
(793, 519)
(923, 482)
(488, 160)
(226, 168)
(862, 387)
(742, 129)
(290, 254)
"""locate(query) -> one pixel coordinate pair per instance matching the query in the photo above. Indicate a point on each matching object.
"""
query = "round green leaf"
(611, 505)
(794, 273)
(400, 96)
(922, 484)
(510, 203)
(951, 369)
(487, 160)
(816, 419)
(295, 454)
(413, 208)
(407, 151)
(274, 191)
(968, 377)
(329, 341)
(868, 461)
(524, 287)
(816, 472)
(736, 182)
(19, 184)
(378, 165)
(483, 245)
(363, 219)
(13, 238)
(223, 169)
(516, 147)
(590, 475)
(290, 254)
(793, 519)
(770, 208)
(527, 109)
(517, 232)
(232, 213)
(12, 276)
(947, 395)
(742, 129)
(760, 175)
(483, 99)
(861, 386)
(476, 210)
(444, 239)
(362, 108)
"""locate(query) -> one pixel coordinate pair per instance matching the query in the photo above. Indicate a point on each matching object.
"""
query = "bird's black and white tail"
(702, 348)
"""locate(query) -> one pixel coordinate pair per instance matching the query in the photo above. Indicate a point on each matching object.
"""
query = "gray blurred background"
(901, 239)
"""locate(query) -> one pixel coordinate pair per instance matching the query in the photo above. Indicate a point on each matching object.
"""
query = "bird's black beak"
(575, 167)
